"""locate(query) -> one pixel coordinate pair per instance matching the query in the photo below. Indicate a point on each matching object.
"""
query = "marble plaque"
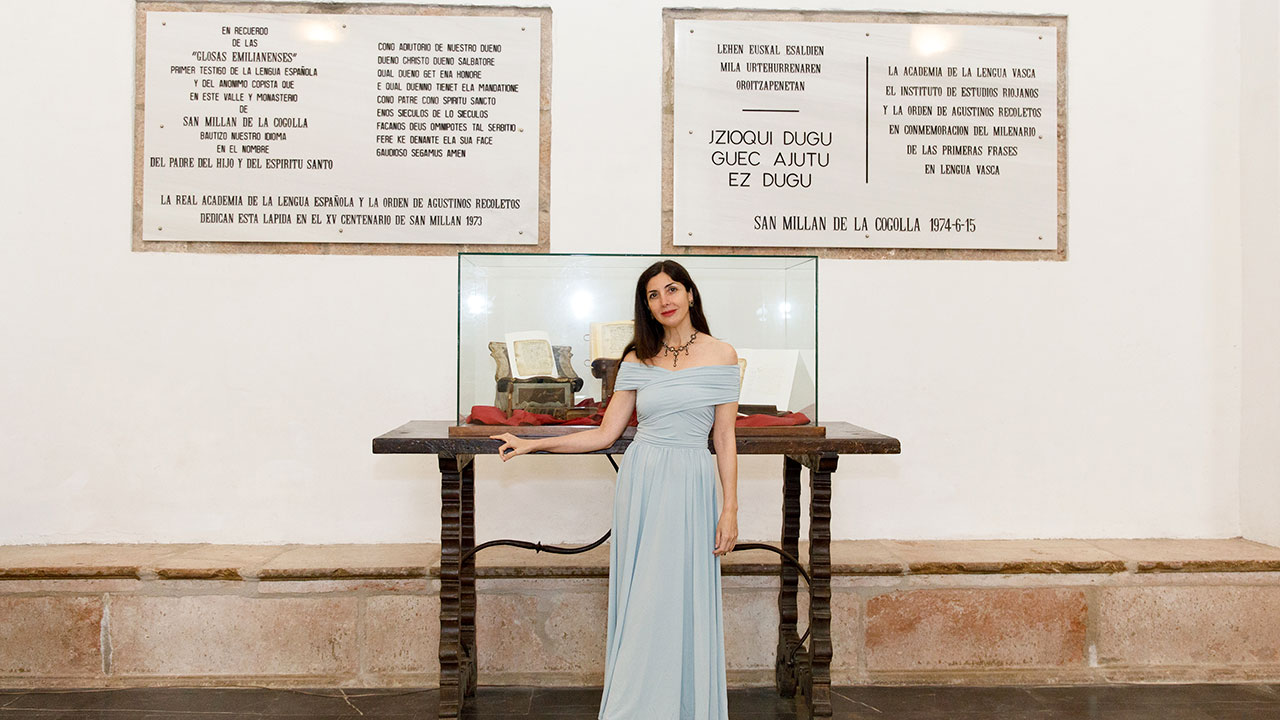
(865, 135)
(343, 128)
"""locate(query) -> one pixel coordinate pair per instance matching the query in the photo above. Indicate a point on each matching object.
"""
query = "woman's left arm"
(726, 444)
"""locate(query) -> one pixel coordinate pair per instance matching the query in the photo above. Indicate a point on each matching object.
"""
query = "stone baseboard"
(981, 613)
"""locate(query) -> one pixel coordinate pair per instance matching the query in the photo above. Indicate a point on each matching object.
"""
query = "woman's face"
(668, 300)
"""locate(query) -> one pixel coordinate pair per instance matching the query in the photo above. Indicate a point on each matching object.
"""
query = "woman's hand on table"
(511, 446)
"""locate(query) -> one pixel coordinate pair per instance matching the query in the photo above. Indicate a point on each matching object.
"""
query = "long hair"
(647, 341)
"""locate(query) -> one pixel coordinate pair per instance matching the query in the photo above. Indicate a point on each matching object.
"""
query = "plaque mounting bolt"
(159, 227)
(690, 234)
(339, 229)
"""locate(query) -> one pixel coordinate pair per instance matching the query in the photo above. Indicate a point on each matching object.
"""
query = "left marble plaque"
(314, 128)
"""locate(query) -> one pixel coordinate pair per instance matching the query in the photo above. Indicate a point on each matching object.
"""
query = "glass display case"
(529, 326)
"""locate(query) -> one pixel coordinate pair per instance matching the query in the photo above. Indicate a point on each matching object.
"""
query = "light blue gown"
(664, 659)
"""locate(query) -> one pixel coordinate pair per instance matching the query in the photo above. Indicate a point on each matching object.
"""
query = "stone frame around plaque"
(543, 14)
(671, 15)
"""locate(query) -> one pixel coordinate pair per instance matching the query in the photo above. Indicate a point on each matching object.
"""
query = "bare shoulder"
(630, 357)
(723, 353)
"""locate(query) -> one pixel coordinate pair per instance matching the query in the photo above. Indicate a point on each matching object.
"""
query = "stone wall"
(1067, 611)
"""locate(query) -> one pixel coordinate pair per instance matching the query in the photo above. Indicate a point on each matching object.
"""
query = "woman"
(664, 659)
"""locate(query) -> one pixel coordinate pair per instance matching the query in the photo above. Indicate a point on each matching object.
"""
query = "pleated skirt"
(665, 649)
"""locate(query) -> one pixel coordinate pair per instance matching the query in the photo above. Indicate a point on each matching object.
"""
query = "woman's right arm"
(616, 417)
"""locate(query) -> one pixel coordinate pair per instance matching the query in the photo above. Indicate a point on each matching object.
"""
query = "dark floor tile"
(108, 715)
(1132, 702)
(279, 703)
(190, 715)
(366, 716)
(88, 699)
(362, 703)
(501, 701)
(565, 698)
(73, 715)
(396, 703)
(243, 701)
(891, 700)
(1159, 695)
(761, 702)
(844, 705)
(573, 703)
(771, 715)
(1145, 712)
(1120, 711)
(1265, 692)
(566, 714)
(1006, 714)
(1242, 711)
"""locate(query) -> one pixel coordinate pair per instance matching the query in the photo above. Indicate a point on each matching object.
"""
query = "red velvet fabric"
(490, 415)
(772, 421)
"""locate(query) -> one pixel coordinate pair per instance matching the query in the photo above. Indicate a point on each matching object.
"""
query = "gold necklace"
(675, 351)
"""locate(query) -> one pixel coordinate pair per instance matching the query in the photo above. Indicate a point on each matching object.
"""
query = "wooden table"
(810, 673)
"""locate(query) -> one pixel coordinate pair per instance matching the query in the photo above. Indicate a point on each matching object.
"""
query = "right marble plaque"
(900, 135)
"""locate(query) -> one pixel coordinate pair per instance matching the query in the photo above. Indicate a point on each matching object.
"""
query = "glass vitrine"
(514, 309)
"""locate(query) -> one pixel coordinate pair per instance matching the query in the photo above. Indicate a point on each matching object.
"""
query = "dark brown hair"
(647, 341)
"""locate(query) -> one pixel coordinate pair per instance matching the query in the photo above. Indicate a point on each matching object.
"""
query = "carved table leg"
(452, 657)
(820, 469)
(785, 676)
(467, 579)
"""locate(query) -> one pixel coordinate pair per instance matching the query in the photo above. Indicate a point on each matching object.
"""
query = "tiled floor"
(1115, 702)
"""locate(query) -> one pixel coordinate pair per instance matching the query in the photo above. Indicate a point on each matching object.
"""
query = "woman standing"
(664, 659)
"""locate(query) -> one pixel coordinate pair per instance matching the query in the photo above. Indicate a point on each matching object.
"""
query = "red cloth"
(772, 420)
(490, 415)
